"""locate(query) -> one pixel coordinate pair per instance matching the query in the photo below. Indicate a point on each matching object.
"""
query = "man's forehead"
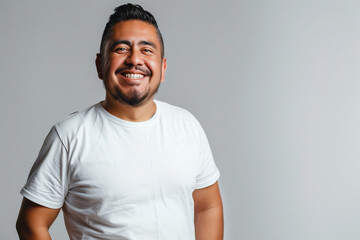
(134, 28)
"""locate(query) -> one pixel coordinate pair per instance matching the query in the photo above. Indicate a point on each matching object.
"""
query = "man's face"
(133, 68)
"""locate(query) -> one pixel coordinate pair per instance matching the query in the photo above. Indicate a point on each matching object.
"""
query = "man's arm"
(209, 222)
(34, 221)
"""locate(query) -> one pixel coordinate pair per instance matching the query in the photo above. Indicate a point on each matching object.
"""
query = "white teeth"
(133, 76)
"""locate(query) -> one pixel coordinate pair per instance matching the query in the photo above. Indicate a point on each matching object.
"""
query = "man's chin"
(134, 101)
(134, 98)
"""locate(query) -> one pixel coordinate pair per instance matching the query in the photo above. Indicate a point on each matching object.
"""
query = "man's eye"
(120, 49)
(147, 50)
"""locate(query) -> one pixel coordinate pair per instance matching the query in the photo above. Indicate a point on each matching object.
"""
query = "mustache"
(145, 70)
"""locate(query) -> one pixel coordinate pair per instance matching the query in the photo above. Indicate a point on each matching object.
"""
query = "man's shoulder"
(76, 121)
(174, 112)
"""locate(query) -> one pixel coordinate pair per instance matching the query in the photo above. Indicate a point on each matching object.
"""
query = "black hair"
(128, 12)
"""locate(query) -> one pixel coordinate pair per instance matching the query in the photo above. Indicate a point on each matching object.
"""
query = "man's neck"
(130, 113)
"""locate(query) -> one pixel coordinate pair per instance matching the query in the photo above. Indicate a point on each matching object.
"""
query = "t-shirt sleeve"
(47, 181)
(209, 173)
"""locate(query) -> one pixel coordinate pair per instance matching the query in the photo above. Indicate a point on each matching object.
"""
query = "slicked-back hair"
(128, 12)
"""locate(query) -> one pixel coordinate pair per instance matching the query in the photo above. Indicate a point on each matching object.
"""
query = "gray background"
(275, 84)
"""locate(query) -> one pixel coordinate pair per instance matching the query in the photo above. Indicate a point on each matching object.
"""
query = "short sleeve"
(47, 181)
(209, 173)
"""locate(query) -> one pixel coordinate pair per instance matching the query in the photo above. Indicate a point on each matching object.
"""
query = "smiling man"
(129, 167)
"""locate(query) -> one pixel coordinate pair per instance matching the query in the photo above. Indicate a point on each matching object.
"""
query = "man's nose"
(135, 58)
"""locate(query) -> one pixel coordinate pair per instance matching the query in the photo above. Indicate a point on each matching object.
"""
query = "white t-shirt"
(116, 179)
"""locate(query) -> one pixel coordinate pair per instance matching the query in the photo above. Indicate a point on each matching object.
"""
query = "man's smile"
(136, 73)
(133, 75)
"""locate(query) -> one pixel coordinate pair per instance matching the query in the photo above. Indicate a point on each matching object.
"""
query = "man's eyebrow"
(120, 42)
(148, 43)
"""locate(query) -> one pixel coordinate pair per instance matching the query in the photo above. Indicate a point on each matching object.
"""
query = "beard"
(134, 98)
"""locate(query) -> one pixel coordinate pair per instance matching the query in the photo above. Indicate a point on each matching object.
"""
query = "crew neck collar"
(127, 123)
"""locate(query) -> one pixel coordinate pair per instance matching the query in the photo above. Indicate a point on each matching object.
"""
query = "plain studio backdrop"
(275, 85)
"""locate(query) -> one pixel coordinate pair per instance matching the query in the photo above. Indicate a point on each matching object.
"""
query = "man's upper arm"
(208, 211)
(34, 220)
(208, 197)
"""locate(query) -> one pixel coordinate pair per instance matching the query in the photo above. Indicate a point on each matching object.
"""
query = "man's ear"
(163, 70)
(99, 66)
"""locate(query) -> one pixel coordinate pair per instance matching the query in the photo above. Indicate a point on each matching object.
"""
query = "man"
(129, 167)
